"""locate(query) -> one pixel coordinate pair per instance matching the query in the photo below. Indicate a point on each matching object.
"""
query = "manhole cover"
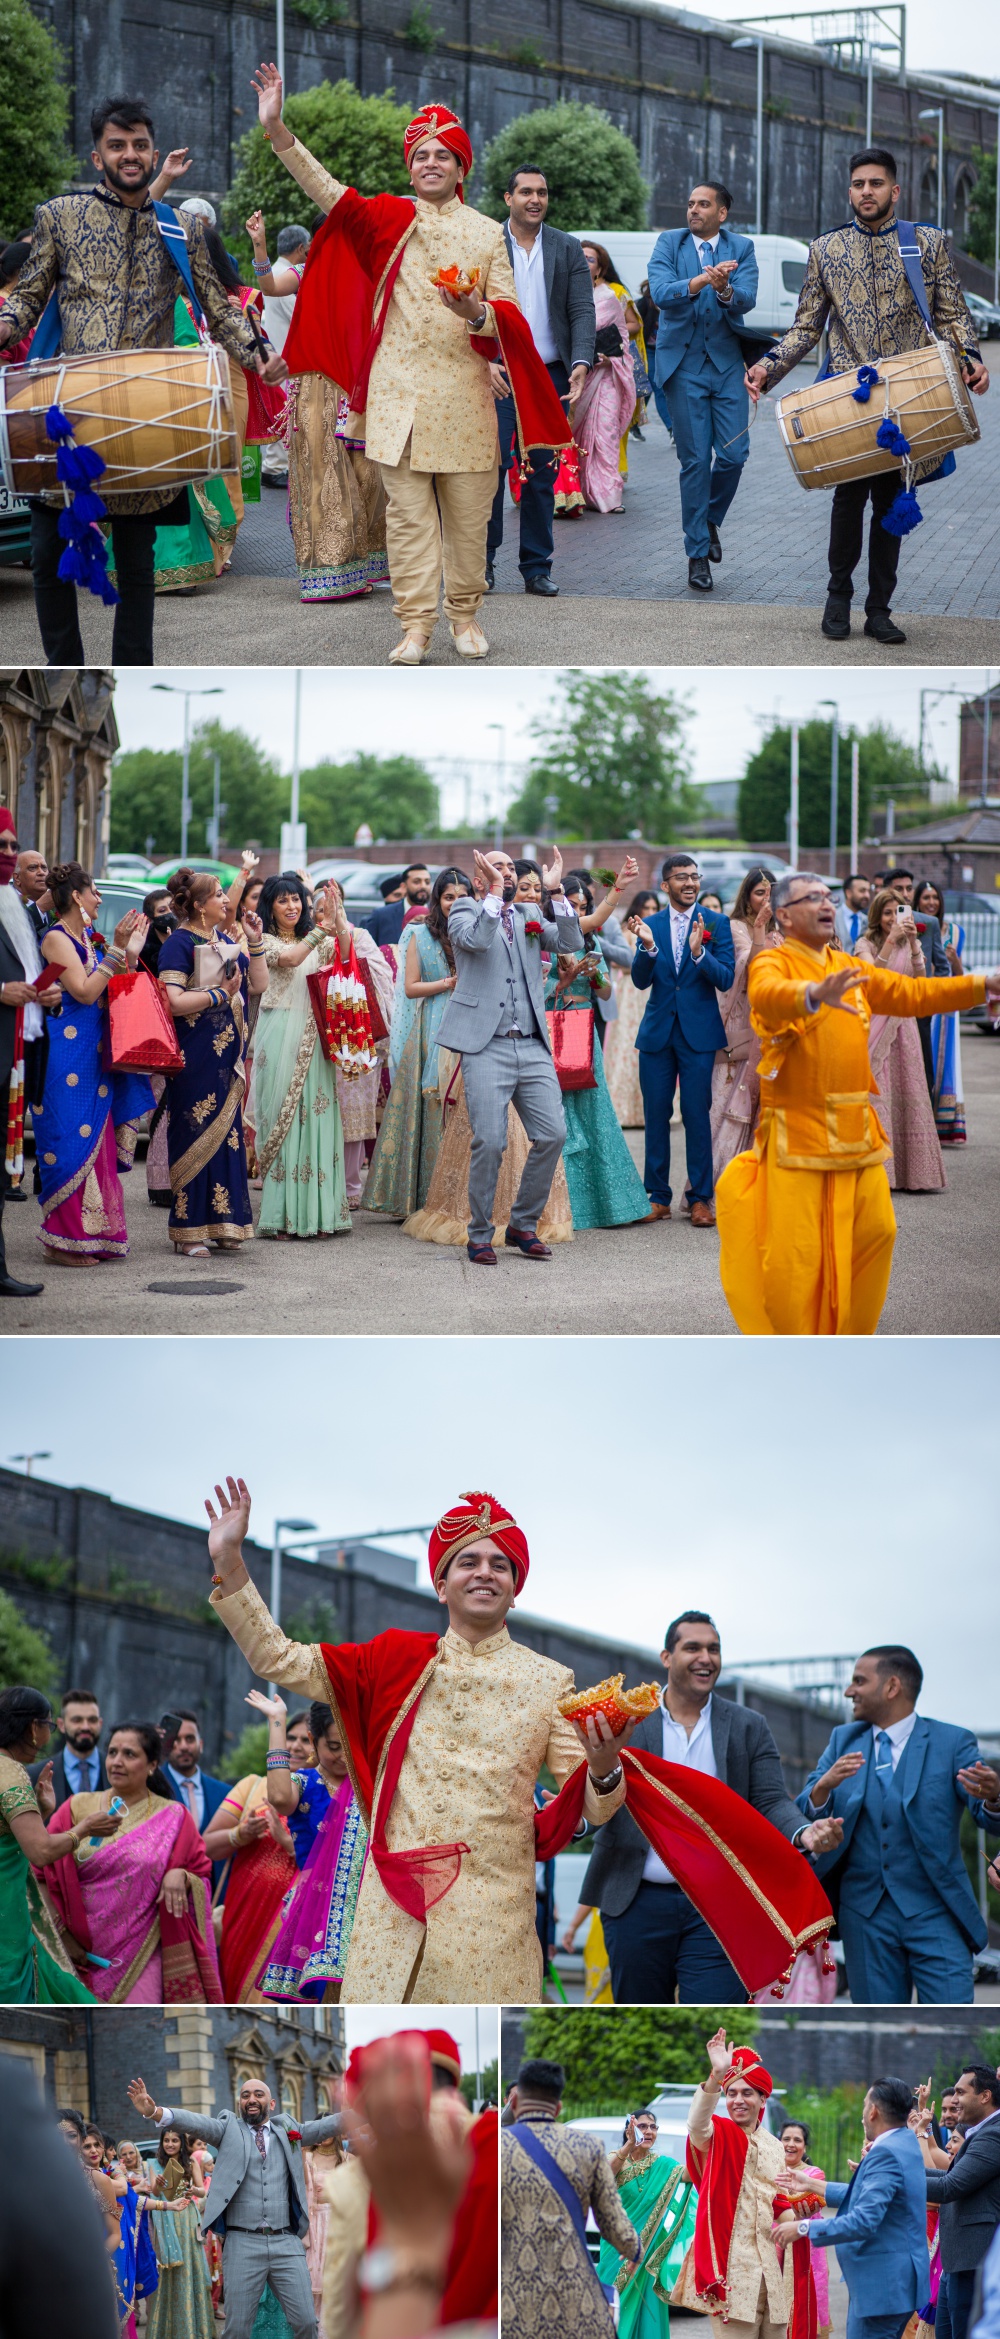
(203, 1288)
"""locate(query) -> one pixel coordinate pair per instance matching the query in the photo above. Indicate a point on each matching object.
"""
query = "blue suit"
(907, 1911)
(679, 1035)
(215, 1792)
(700, 362)
(880, 2236)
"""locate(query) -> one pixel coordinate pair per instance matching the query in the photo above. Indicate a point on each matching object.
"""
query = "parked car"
(361, 882)
(985, 316)
(164, 869)
(15, 530)
(781, 262)
(133, 866)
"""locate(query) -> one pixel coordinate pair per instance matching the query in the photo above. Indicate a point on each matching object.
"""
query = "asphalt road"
(642, 1279)
(623, 594)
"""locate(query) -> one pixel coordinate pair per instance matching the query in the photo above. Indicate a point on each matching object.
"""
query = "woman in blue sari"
(605, 1188)
(87, 1123)
(406, 1150)
(948, 1095)
(207, 983)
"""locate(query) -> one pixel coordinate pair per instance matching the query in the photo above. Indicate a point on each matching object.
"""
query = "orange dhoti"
(806, 1223)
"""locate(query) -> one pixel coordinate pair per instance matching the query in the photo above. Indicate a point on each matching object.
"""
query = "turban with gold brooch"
(470, 1521)
(439, 122)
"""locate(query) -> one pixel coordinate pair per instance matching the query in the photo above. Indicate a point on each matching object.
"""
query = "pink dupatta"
(110, 1902)
(603, 412)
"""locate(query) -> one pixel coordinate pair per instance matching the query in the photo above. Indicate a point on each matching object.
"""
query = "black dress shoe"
(543, 585)
(699, 574)
(481, 1254)
(837, 620)
(715, 543)
(880, 626)
(10, 1288)
(528, 1244)
(490, 578)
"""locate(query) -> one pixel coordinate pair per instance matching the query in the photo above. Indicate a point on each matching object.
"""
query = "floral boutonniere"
(294, 2135)
(533, 927)
(920, 926)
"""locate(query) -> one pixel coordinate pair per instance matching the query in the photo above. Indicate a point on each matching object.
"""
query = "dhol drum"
(830, 436)
(159, 418)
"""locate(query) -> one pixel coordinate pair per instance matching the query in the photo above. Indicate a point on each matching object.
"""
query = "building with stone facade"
(668, 76)
(57, 739)
(196, 2057)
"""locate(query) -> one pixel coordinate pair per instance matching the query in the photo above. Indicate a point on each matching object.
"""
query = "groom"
(495, 1020)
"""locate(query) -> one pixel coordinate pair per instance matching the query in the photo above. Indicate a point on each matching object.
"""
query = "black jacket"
(968, 2194)
(569, 292)
(747, 1760)
(59, 1779)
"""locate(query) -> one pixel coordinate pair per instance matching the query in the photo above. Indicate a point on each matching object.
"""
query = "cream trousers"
(435, 525)
(761, 2328)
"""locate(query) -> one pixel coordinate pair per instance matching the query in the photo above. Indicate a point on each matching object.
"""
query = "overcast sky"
(964, 40)
(438, 713)
(362, 2023)
(817, 1497)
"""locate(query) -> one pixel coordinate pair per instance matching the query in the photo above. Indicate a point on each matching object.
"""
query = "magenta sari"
(110, 1900)
(603, 412)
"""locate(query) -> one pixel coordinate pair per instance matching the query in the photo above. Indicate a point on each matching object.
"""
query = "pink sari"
(904, 1104)
(603, 413)
(110, 1901)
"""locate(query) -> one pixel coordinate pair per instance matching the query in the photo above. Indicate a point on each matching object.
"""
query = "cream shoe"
(411, 651)
(471, 642)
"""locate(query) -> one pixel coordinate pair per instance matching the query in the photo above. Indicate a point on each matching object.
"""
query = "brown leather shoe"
(702, 1214)
(659, 1210)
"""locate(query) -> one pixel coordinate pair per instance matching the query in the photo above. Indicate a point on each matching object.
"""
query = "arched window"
(964, 185)
(291, 2096)
(928, 194)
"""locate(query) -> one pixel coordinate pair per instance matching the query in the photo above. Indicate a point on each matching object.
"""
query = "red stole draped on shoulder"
(717, 2169)
(804, 2320)
(761, 1898)
(343, 301)
(376, 1687)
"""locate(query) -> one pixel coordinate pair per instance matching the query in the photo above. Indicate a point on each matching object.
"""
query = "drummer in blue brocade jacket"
(856, 289)
(684, 956)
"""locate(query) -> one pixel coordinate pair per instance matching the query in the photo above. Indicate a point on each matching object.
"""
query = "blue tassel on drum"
(892, 439)
(85, 560)
(903, 514)
(867, 380)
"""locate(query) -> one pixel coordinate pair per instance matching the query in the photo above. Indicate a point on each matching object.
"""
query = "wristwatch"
(608, 1785)
(383, 2269)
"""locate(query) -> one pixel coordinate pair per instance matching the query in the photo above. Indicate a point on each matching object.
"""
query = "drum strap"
(909, 253)
(48, 331)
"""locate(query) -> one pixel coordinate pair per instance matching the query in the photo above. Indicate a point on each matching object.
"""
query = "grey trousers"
(252, 2260)
(521, 1073)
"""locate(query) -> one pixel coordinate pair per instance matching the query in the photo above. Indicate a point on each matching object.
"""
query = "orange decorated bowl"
(456, 280)
(619, 1705)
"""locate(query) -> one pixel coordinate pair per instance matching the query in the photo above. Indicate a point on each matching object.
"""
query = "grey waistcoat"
(262, 2198)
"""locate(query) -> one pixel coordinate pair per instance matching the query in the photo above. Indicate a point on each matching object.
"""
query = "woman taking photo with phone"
(659, 2200)
(207, 984)
(903, 1104)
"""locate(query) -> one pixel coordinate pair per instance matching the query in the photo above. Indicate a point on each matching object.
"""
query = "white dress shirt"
(529, 284)
(192, 1793)
(698, 1752)
(680, 921)
(897, 1734)
(82, 1771)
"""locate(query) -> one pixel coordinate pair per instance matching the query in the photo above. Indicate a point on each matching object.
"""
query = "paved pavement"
(623, 582)
(648, 1279)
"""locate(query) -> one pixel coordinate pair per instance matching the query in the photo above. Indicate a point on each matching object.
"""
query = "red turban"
(444, 2050)
(470, 1521)
(746, 2066)
(439, 122)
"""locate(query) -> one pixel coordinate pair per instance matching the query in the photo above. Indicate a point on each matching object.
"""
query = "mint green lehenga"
(295, 1112)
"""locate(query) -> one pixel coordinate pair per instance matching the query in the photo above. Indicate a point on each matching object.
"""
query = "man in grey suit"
(258, 2201)
(851, 917)
(657, 1943)
(554, 289)
(495, 1019)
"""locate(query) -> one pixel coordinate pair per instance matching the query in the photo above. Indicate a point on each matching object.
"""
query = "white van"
(781, 261)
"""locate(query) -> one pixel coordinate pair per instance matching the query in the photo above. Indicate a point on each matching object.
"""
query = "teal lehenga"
(409, 1139)
(605, 1188)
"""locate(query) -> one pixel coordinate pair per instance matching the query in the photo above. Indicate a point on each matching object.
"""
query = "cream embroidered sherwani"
(431, 414)
(760, 2288)
(485, 1724)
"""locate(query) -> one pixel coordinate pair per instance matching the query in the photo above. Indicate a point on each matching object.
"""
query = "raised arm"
(609, 2216)
(198, 2124)
(316, 182)
(315, 2132)
(269, 1653)
(893, 994)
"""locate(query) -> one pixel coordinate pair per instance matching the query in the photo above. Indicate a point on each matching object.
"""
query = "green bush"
(26, 1656)
(889, 766)
(981, 237)
(248, 1755)
(394, 794)
(35, 161)
(592, 168)
(358, 139)
(623, 2058)
(146, 793)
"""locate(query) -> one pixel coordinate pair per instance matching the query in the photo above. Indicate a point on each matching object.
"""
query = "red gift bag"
(139, 1033)
(571, 1031)
(340, 1005)
(380, 1028)
(317, 985)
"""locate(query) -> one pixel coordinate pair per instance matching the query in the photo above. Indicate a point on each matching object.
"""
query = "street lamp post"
(855, 799)
(936, 114)
(870, 48)
(42, 1454)
(834, 779)
(793, 810)
(284, 1527)
(756, 41)
(501, 730)
(279, 39)
(175, 690)
(996, 225)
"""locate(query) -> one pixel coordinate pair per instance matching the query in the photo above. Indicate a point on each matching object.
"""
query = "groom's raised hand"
(227, 1532)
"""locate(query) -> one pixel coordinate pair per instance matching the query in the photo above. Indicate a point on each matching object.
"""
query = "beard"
(130, 186)
(509, 891)
(83, 1742)
(255, 2115)
(877, 216)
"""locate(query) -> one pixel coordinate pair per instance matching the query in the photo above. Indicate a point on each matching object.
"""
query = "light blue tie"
(706, 255)
(883, 1760)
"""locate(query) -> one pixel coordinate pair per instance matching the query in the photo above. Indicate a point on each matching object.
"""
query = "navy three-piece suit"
(700, 366)
(678, 1038)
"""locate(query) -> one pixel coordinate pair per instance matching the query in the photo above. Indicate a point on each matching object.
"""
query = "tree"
(35, 161)
(359, 139)
(888, 766)
(146, 794)
(248, 1758)
(623, 2062)
(614, 757)
(25, 1655)
(592, 168)
(489, 2079)
(393, 793)
(980, 240)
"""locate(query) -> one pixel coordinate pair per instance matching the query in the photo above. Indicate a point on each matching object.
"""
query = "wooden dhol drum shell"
(159, 418)
(830, 437)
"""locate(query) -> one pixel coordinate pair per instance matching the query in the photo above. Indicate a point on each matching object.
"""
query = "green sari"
(34, 1970)
(661, 2202)
(409, 1139)
(181, 2305)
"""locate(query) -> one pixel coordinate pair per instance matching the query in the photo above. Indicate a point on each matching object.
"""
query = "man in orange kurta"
(806, 1223)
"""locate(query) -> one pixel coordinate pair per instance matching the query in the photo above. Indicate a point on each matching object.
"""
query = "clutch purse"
(212, 965)
(608, 341)
(139, 1033)
(571, 1036)
(619, 1705)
